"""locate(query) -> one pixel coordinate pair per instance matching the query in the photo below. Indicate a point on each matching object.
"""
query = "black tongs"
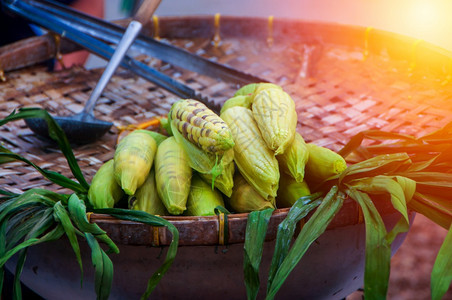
(94, 34)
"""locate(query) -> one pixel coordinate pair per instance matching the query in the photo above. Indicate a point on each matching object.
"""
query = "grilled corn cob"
(172, 176)
(201, 126)
(256, 162)
(294, 159)
(133, 159)
(104, 191)
(322, 164)
(147, 199)
(245, 198)
(290, 191)
(274, 112)
(202, 199)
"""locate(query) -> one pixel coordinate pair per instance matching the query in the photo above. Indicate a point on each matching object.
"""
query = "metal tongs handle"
(53, 23)
(111, 33)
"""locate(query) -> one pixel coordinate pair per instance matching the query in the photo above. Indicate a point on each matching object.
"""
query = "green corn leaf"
(20, 229)
(378, 250)
(103, 268)
(33, 197)
(143, 217)
(4, 160)
(56, 133)
(357, 140)
(379, 165)
(62, 216)
(441, 276)
(2, 252)
(17, 289)
(256, 230)
(286, 230)
(433, 207)
(400, 189)
(316, 225)
(54, 234)
(77, 210)
(50, 175)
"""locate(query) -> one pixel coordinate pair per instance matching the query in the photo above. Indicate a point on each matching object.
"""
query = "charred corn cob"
(290, 191)
(104, 191)
(225, 180)
(201, 126)
(256, 162)
(294, 159)
(274, 112)
(245, 198)
(323, 163)
(173, 175)
(147, 199)
(133, 159)
(202, 199)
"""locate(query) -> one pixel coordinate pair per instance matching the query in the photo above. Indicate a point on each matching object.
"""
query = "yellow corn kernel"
(147, 199)
(290, 191)
(133, 159)
(294, 159)
(322, 164)
(172, 176)
(256, 162)
(274, 112)
(245, 198)
(104, 191)
(202, 199)
(201, 126)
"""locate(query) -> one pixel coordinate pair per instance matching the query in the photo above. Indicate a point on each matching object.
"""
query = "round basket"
(343, 79)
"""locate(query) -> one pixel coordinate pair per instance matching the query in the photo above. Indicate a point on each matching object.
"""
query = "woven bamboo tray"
(344, 79)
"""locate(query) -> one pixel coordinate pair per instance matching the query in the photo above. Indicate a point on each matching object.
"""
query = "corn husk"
(290, 191)
(172, 176)
(133, 160)
(147, 199)
(202, 199)
(256, 162)
(245, 198)
(322, 164)
(294, 159)
(104, 191)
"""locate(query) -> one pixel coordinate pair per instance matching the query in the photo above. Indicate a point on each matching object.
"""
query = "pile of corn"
(249, 158)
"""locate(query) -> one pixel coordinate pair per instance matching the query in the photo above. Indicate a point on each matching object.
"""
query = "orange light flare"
(425, 19)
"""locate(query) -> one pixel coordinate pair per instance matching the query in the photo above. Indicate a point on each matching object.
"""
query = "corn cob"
(274, 112)
(294, 159)
(172, 176)
(201, 126)
(202, 199)
(246, 90)
(146, 197)
(104, 191)
(290, 191)
(322, 164)
(256, 162)
(242, 100)
(264, 86)
(253, 88)
(158, 137)
(225, 180)
(245, 198)
(133, 158)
